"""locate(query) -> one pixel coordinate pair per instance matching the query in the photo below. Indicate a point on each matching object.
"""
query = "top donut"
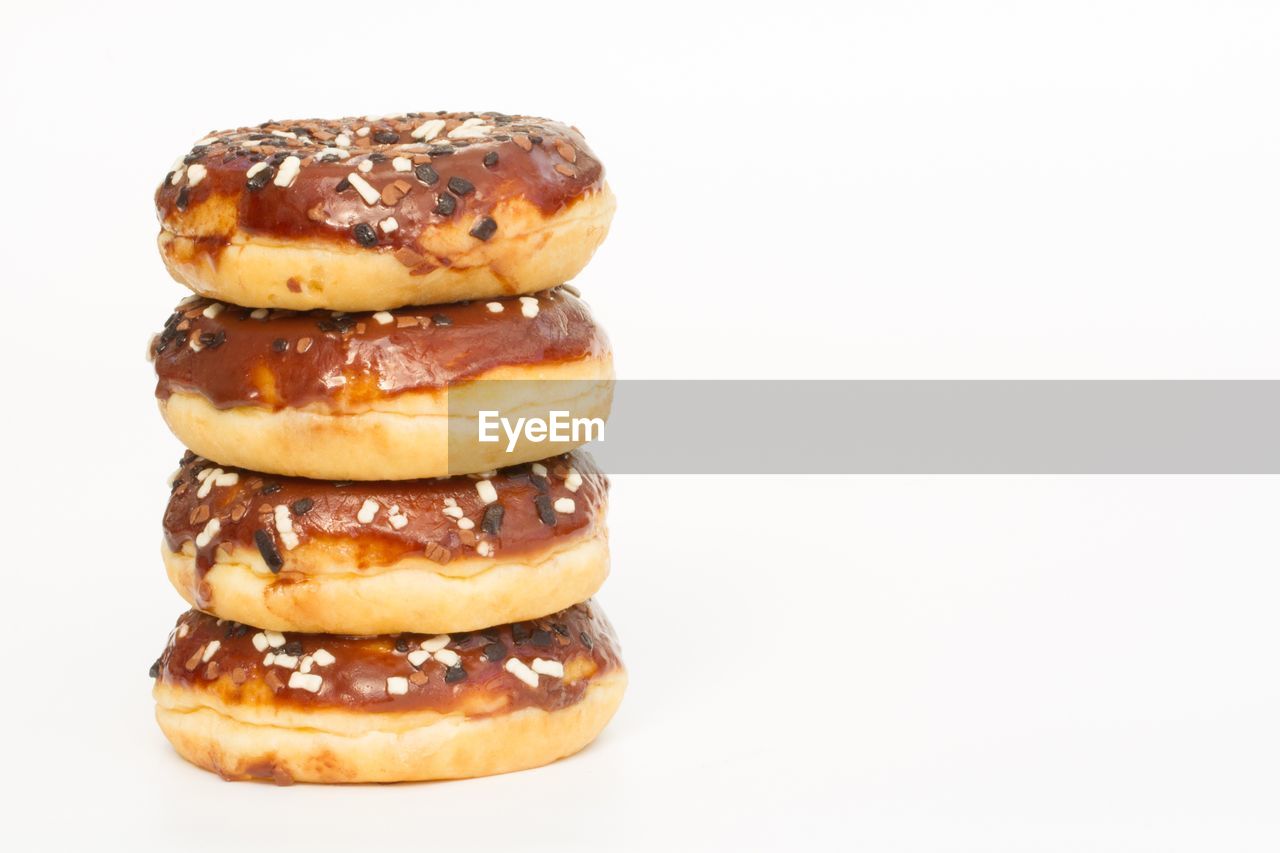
(373, 213)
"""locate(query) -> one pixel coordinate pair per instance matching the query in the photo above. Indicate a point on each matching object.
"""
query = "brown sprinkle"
(418, 678)
(239, 675)
(406, 322)
(211, 670)
(565, 169)
(304, 344)
(200, 514)
(523, 142)
(274, 681)
(438, 554)
(194, 660)
(566, 151)
(408, 257)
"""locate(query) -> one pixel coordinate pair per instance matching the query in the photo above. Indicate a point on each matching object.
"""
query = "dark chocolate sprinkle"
(261, 179)
(519, 633)
(386, 137)
(541, 637)
(301, 505)
(446, 204)
(491, 159)
(492, 521)
(270, 489)
(342, 186)
(495, 652)
(455, 674)
(426, 174)
(365, 235)
(293, 647)
(560, 629)
(546, 513)
(586, 640)
(402, 645)
(267, 548)
(154, 672)
(440, 150)
(441, 320)
(461, 186)
(213, 340)
(279, 345)
(484, 229)
(184, 196)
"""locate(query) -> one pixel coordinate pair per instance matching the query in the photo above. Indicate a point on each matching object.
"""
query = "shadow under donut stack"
(369, 602)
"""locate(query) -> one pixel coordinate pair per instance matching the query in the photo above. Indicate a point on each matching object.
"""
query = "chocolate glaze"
(580, 638)
(556, 170)
(292, 358)
(326, 513)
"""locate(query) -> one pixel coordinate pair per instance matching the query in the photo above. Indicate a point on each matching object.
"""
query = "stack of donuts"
(372, 602)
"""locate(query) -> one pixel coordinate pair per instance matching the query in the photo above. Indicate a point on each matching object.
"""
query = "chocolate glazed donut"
(435, 555)
(328, 708)
(371, 213)
(374, 395)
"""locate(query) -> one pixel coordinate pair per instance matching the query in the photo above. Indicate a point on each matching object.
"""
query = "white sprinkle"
(213, 310)
(195, 344)
(365, 166)
(428, 130)
(494, 307)
(204, 537)
(466, 523)
(573, 480)
(176, 174)
(259, 313)
(322, 657)
(260, 642)
(539, 469)
(305, 664)
(368, 193)
(397, 685)
(448, 657)
(548, 667)
(342, 140)
(450, 501)
(472, 128)
(203, 473)
(487, 492)
(517, 668)
(364, 131)
(435, 644)
(183, 630)
(453, 511)
(383, 318)
(529, 306)
(210, 650)
(288, 170)
(333, 154)
(228, 478)
(255, 168)
(287, 134)
(269, 658)
(417, 657)
(397, 518)
(388, 225)
(195, 174)
(368, 511)
(274, 639)
(564, 505)
(402, 164)
(207, 481)
(484, 549)
(284, 526)
(307, 681)
(286, 661)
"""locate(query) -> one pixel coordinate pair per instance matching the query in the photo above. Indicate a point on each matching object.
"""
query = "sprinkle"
(460, 186)
(455, 673)
(388, 225)
(435, 644)
(183, 630)
(322, 657)
(364, 131)
(274, 639)
(365, 235)
(302, 506)
(286, 661)
(383, 318)
(259, 313)
(304, 344)
(195, 174)
(564, 505)
(517, 667)
(402, 164)
(494, 652)
(565, 169)
(396, 518)
(207, 478)
(448, 657)
(307, 681)
(288, 170)
(386, 137)
(397, 685)
(368, 510)
(472, 128)
(176, 174)
(365, 166)
(484, 228)
(529, 306)
(453, 511)
(267, 548)
(213, 310)
(465, 523)
(494, 307)
(484, 549)
(573, 480)
(487, 492)
(255, 169)
(445, 204)
(491, 159)
(367, 192)
(284, 526)
(305, 664)
(566, 151)
(548, 667)
(418, 657)
(260, 642)
(545, 513)
(539, 469)
(492, 522)
(342, 140)
(204, 537)
(428, 130)
(210, 650)
(426, 174)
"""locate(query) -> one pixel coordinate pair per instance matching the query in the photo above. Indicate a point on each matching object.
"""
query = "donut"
(365, 214)
(388, 395)
(437, 555)
(251, 704)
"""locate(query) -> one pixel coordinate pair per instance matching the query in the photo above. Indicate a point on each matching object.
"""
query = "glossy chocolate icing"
(476, 683)
(293, 359)
(429, 511)
(467, 172)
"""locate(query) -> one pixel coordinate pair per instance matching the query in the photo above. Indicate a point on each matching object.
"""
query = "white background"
(856, 190)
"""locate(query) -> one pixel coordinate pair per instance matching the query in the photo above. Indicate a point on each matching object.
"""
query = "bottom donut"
(250, 704)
